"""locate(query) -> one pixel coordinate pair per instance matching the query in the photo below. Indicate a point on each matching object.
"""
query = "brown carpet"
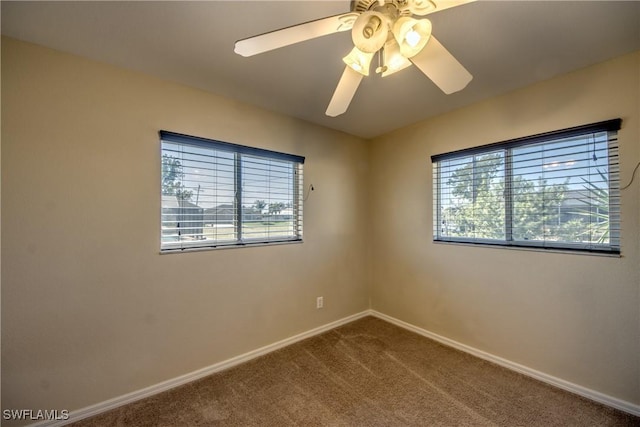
(366, 373)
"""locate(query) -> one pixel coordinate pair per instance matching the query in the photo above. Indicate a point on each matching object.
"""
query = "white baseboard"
(596, 396)
(107, 405)
(99, 408)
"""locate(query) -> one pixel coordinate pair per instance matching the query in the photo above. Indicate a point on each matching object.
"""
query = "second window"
(555, 190)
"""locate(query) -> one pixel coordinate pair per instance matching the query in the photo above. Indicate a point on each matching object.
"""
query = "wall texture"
(576, 317)
(90, 309)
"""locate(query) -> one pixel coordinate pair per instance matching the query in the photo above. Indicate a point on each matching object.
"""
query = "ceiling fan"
(385, 27)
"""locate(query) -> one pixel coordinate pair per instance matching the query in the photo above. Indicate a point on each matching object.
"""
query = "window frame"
(239, 152)
(612, 248)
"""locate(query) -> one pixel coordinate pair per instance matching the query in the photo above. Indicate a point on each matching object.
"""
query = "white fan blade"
(435, 61)
(295, 34)
(344, 92)
(447, 4)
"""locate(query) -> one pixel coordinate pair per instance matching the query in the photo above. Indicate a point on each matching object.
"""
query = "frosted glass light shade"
(411, 34)
(370, 31)
(394, 61)
(359, 61)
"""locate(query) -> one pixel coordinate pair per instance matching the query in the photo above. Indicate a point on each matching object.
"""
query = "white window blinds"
(554, 190)
(217, 194)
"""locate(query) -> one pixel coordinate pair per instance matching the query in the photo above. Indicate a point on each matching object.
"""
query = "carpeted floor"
(366, 373)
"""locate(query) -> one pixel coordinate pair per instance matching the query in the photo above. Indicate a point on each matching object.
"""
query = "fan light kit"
(392, 29)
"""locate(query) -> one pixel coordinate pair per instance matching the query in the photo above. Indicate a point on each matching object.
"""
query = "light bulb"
(370, 31)
(394, 61)
(371, 27)
(412, 38)
(411, 34)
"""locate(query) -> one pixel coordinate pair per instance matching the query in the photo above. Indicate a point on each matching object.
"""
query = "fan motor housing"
(365, 5)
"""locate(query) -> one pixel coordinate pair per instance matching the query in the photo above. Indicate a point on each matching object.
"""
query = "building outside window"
(216, 194)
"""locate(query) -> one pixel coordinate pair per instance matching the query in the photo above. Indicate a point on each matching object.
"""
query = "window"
(217, 194)
(556, 190)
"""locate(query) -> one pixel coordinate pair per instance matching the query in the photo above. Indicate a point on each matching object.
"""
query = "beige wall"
(90, 310)
(575, 317)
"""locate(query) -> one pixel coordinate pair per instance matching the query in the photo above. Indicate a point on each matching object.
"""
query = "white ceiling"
(504, 44)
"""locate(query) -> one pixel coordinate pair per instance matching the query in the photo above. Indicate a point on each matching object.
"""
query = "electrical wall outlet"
(319, 302)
